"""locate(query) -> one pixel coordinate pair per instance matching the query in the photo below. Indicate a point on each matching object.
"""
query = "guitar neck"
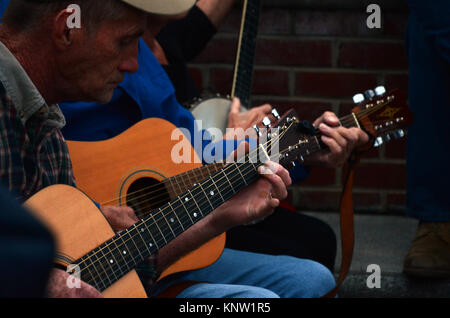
(181, 183)
(243, 73)
(314, 144)
(115, 258)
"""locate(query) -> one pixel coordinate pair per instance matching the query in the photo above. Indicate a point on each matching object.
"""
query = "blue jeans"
(428, 157)
(239, 274)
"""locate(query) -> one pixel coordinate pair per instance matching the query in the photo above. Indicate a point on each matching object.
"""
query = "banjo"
(214, 110)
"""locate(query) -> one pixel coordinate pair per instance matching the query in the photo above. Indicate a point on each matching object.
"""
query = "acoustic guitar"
(107, 261)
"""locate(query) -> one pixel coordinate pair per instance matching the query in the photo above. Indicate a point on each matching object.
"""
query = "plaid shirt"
(33, 153)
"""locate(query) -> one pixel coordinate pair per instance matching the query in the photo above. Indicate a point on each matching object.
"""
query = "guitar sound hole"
(145, 195)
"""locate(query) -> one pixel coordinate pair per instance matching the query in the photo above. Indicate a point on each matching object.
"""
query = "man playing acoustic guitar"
(44, 62)
(149, 93)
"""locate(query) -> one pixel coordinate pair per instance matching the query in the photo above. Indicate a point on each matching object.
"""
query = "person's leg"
(428, 170)
(207, 290)
(287, 233)
(285, 276)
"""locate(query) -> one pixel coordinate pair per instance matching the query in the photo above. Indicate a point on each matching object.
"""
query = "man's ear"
(63, 36)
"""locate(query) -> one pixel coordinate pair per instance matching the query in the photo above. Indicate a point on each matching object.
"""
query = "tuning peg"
(276, 114)
(399, 134)
(380, 90)
(266, 122)
(258, 131)
(358, 98)
(378, 142)
(369, 94)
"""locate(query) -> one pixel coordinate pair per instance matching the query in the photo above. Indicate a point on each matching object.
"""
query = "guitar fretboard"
(313, 144)
(243, 76)
(183, 182)
(106, 264)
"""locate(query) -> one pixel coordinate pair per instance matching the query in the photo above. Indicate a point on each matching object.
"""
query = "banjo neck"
(243, 72)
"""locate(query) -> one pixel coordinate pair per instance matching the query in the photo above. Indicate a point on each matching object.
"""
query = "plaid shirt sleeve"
(33, 155)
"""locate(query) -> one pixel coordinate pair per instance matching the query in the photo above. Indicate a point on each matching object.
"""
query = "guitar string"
(132, 236)
(172, 229)
(181, 186)
(346, 119)
(127, 263)
(133, 260)
(177, 177)
(162, 233)
(160, 212)
(157, 242)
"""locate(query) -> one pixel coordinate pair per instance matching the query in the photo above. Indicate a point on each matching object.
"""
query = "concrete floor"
(382, 240)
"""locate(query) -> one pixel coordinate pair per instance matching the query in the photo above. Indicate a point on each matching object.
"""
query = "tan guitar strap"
(346, 223)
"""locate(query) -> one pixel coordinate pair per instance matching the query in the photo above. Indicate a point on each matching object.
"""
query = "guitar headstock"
(383, 115)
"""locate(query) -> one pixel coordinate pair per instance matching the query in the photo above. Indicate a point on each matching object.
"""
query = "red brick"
(395, 24)
(318, 200)
(397, 81)
(293, 52)
(232, 23)
(328, 200)
(381, 176)
(366, 201)
(333, 84)
(272, 21)
(219, 50)
(321, 176)
(270, 82)
(332, 23)
(396, 149)
(221, 80)
(305, 110)
(197, 75)
(396, 199)
(373, 55)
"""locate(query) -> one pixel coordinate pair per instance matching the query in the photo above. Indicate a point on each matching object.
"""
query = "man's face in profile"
(97, 61)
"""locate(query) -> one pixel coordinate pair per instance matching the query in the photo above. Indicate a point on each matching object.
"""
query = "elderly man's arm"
(253, 203)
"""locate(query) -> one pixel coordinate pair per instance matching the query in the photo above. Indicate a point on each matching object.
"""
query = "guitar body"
(138, 159)
(78, 227)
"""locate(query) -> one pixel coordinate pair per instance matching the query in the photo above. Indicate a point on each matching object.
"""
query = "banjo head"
(213, 112)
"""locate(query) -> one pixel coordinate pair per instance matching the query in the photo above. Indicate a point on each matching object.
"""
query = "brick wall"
(315, 60)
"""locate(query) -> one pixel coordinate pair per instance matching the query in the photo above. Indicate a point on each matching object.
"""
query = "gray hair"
(26, 15)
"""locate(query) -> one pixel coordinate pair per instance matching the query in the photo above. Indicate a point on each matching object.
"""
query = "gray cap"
(162, 7)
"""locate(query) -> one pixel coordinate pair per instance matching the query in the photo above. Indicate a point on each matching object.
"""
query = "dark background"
(314, 56)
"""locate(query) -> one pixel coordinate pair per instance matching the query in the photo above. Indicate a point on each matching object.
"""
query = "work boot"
(429, 255)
